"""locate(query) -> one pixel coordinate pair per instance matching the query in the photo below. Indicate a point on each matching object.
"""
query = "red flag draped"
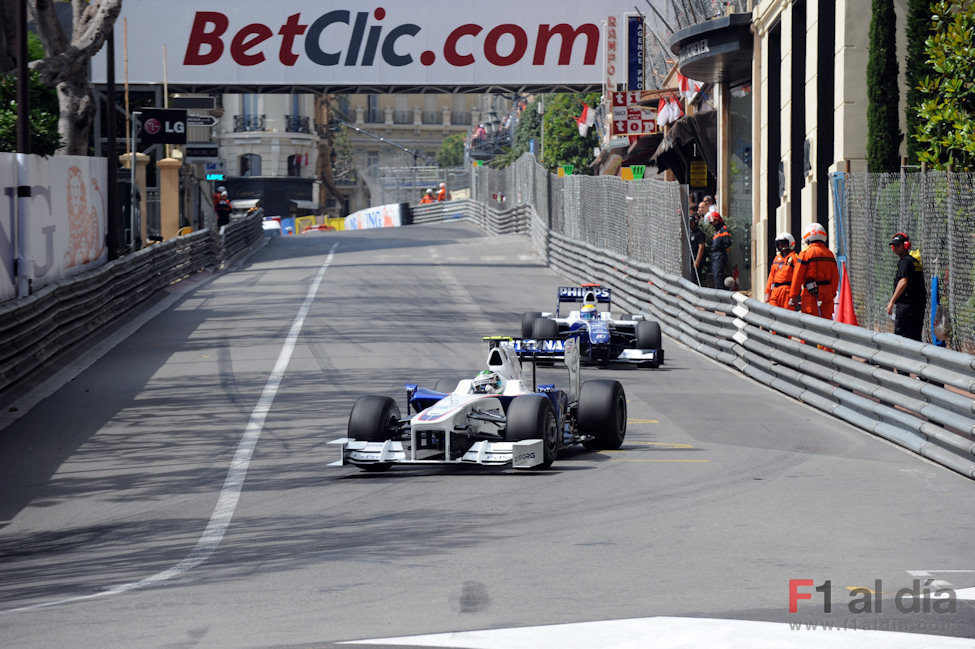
(845, 312)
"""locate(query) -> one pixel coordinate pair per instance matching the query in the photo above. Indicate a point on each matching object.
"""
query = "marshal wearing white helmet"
(816, 278)
(783, 267)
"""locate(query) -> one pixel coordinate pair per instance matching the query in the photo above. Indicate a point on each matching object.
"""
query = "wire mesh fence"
(408, 184)
(937, 212)
(589, 209)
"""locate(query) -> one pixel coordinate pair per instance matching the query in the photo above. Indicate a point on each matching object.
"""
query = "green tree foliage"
(44, 136)
(451, 153)
(883, 127)
(529, 128)
(916, 67)
(947, 113)
(563, 146)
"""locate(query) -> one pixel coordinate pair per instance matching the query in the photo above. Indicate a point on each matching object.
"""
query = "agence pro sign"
(340, 42)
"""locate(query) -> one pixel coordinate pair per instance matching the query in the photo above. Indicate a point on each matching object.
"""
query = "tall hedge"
(916, 68)
(883, 127)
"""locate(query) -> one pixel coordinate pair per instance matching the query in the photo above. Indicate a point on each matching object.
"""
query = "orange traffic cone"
(845, 312)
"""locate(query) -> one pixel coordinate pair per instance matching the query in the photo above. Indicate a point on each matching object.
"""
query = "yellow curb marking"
(642, 421)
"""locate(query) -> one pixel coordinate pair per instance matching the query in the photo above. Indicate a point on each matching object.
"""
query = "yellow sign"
(699, 173)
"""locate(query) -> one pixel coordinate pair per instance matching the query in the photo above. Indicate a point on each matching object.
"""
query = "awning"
(244, 203)
(640, 151)
(699, 128)
(715, 50)
(304, 205)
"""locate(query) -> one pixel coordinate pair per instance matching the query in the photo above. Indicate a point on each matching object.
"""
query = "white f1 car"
(499, 417)
(602, 338)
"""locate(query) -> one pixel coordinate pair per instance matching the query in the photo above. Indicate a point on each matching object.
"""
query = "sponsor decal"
(522, 457)
(576, 293)
(530, 345)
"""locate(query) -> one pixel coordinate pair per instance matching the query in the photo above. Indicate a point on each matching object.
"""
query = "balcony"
(249, 123)
(297, 124)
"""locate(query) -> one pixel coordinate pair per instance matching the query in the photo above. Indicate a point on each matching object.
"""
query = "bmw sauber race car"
(499, 417)
(602, 339)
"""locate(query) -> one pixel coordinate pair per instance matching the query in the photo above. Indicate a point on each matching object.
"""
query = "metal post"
(23, 78)
(114, 226)
(134, 215)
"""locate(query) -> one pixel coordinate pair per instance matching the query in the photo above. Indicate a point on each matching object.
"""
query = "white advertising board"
(345, 43)
(66, 218)
(383, 216)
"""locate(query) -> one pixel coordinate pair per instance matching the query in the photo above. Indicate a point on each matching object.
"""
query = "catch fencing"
(917, 395)
(937, 211)
(36, 329)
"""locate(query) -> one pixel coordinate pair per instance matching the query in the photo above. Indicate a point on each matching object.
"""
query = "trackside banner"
(346, 43)
(384, 216)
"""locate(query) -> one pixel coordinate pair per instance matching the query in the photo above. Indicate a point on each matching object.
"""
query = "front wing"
(521, 455)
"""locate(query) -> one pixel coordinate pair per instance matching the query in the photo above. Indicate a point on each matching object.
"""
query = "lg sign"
(341, 38)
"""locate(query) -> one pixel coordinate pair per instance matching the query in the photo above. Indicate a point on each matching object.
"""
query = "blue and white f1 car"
(497, 418)
(602, 338)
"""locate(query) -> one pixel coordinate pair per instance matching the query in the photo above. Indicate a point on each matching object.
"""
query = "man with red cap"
(720, 243)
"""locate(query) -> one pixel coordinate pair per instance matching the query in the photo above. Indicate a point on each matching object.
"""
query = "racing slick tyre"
(602, 413)
(532, 416)
(545, 328)
(527, 320)
(648, 334)
(374, 418)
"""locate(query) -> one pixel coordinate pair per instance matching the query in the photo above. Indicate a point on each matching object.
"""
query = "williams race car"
(602, 338)
(497, 418)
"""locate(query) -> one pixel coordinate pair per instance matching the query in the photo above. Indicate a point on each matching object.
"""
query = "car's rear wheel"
(374, 418)
(545, 328)
(602, 413)
(532, 416)
(527, 321)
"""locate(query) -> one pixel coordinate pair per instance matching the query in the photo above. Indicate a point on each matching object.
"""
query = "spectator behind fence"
(909, 299)
(780, 276)
(720, 243)
(816, 279)
(223, 208)
(698, 244)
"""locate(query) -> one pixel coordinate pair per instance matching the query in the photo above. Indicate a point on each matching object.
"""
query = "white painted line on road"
(223, 512)
(680, 633)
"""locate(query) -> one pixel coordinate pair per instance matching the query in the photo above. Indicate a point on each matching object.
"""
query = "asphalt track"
(175, 492)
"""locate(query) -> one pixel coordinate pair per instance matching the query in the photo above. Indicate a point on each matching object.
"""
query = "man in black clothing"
(909, 298)
(698, 244)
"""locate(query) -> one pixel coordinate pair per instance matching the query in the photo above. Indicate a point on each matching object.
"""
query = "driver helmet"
(589, 312)
(487, 382)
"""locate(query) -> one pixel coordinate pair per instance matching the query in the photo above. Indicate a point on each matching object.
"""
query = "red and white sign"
(629, 118)
(385, 42)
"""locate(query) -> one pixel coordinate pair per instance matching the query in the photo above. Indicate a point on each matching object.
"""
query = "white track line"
(223, 512)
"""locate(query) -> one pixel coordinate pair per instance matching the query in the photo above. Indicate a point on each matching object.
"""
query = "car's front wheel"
(374, 418)
(602, 413)
(532, 416)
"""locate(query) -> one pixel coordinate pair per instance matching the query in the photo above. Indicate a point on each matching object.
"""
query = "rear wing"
(566, 350)
(590, 294)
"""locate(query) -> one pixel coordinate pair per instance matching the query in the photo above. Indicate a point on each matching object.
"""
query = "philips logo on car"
(576, 293)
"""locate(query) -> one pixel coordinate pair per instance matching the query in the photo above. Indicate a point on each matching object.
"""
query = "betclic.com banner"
(343, 43)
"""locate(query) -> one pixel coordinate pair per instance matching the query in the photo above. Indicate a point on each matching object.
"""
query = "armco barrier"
(916, 395)
(35, 329)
